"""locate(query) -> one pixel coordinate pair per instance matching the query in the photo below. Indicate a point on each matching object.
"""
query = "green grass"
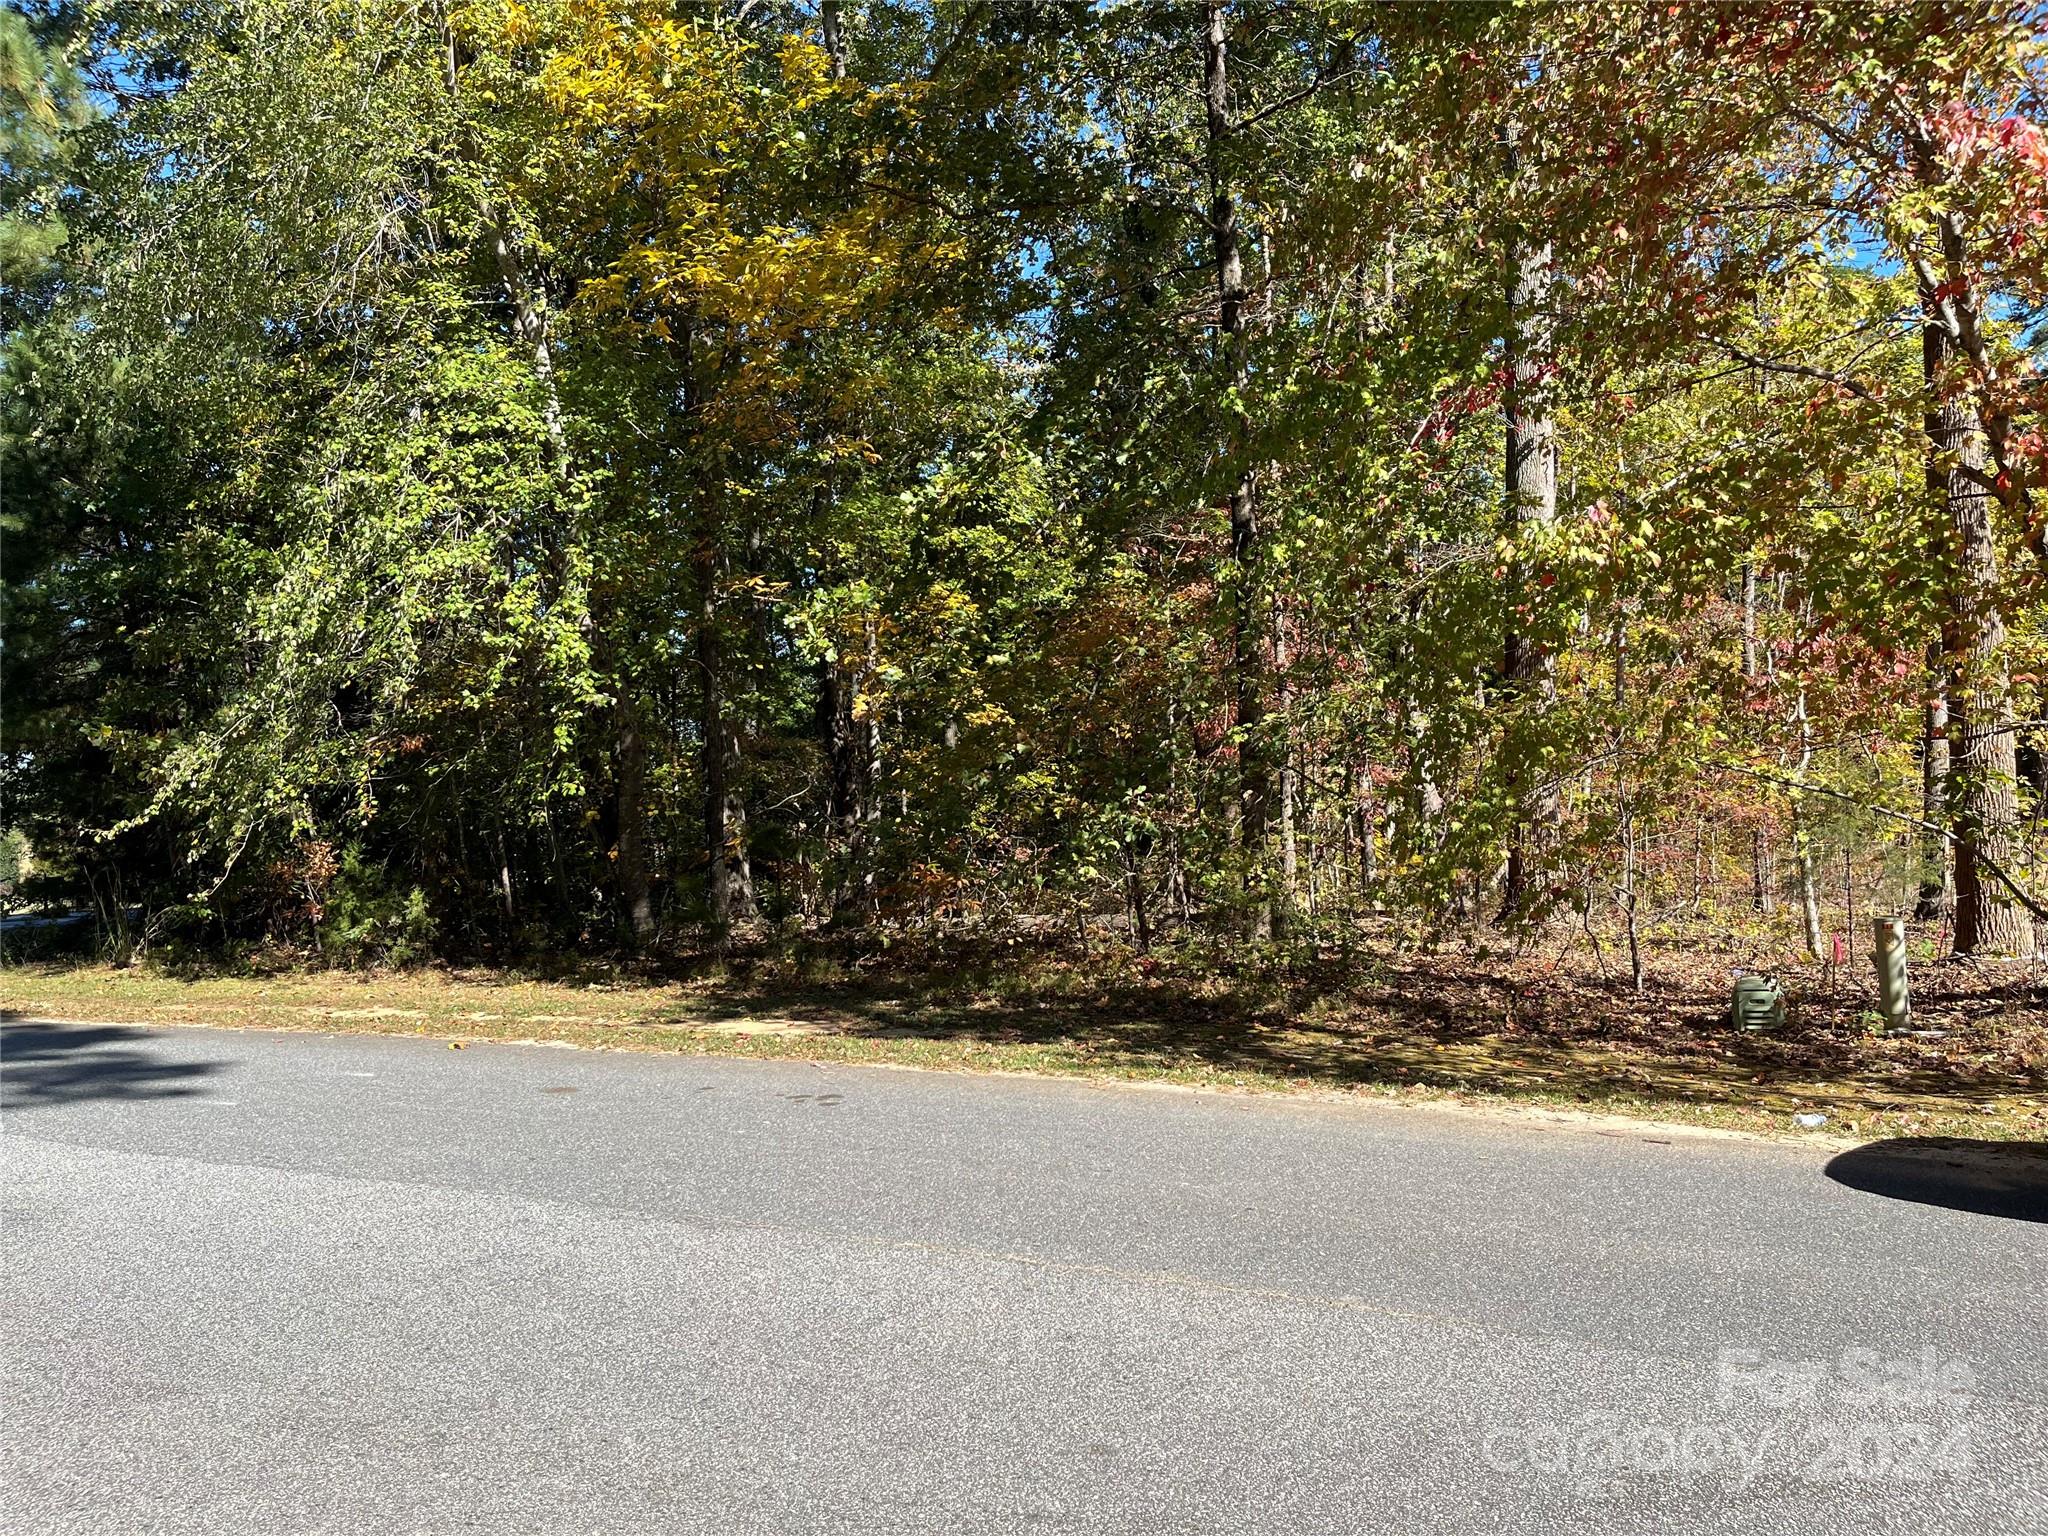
(1410, 1030)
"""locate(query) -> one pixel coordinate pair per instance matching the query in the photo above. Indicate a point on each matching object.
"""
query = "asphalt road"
(288, 1283)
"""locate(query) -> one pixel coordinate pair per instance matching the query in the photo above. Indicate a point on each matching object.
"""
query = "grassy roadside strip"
(690, 1019)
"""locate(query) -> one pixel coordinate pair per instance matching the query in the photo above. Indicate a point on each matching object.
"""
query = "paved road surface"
(280, 1283)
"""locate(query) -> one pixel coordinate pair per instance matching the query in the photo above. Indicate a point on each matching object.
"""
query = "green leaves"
(500, 446)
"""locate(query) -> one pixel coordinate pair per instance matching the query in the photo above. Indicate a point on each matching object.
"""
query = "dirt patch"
(796, 1028)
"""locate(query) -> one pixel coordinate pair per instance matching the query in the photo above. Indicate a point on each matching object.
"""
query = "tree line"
(486, 475)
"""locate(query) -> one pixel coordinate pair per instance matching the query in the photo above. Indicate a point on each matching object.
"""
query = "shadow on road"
(1990, 1178)
(69, 1064)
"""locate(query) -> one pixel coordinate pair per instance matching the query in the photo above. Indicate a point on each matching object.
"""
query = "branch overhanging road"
(282, 1283)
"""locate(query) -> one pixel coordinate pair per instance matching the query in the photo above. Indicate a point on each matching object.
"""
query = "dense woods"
(498, 476)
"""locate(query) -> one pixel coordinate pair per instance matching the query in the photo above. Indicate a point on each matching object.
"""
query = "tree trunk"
(712, 743)
(1627, 896)
(504, 875)
(1699, 865)
(1802, 842)
(1749, 621)
(1248, 616)
(741, 902)
(1368, 845)
(1417, 824)
(714, 727)
(530, 326)
(833, 26)
(634, 894)
(1530, 474)
(1134, 897)
(1983, 791)
(728, 883)
(1937, 900)
(838, 735)
(1288, 792)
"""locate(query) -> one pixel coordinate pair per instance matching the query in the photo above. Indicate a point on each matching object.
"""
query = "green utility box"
(1759, 1003)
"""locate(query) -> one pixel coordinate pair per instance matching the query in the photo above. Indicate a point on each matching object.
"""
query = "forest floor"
(1552, 1028)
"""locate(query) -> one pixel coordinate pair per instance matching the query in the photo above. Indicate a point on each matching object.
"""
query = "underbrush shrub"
(369, 919)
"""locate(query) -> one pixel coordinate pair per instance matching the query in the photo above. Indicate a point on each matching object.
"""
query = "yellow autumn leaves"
(746, 190)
